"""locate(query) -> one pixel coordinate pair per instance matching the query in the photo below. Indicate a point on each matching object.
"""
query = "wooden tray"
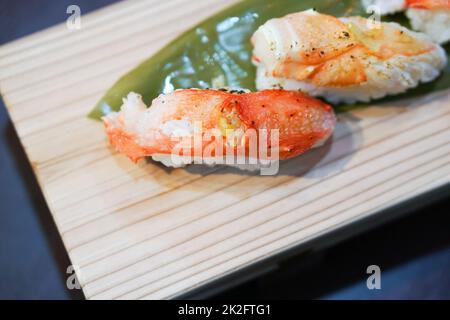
(148, 232)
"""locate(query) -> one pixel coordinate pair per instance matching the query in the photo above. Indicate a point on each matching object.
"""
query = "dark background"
(413, 252)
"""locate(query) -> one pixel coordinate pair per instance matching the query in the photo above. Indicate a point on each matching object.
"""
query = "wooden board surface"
(144, 232)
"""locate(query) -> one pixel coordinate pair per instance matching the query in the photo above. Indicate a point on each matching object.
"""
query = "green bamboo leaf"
(217, 53)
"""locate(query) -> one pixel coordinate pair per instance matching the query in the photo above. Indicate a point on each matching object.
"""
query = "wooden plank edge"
(325, 241)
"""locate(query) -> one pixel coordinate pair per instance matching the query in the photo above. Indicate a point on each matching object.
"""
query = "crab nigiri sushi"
(301, 122)
(429, 16)
(343, 59)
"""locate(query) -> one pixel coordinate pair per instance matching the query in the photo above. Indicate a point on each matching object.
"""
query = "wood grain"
(145, 232)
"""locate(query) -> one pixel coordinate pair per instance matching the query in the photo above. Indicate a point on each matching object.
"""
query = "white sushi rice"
(384, 7)
(384, 77)
(242, 163)
(434, 22)
(390, 77)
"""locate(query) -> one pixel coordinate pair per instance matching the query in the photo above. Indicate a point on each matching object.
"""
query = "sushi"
(429, 16)
(178, 118)
(343, 59)
(385, 7)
